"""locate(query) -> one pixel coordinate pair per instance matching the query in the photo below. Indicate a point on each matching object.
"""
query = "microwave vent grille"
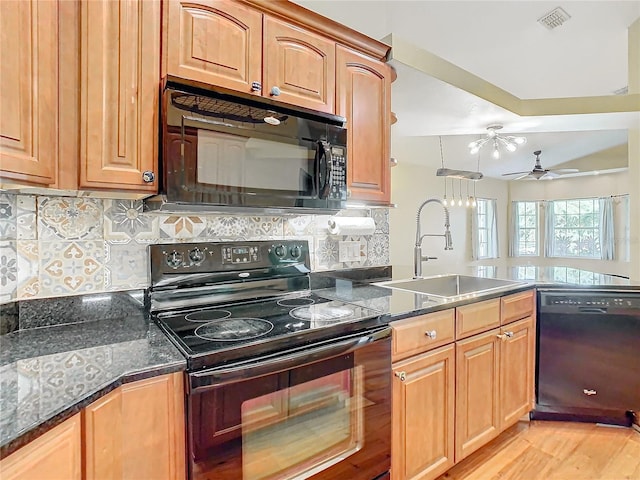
(214, 107)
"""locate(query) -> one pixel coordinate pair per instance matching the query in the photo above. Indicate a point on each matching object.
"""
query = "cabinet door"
(217, 42)
(300, 64)
(423, 417)
(28, 90)
(119, 82)
(137, 431)
(56, 455)
(364, 99)
(477, 392)
(517, 351)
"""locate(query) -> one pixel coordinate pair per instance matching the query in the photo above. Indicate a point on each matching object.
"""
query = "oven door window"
(319, 423)
(285, 425)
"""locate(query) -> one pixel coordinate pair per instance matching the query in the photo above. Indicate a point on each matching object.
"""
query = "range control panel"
(167, 260)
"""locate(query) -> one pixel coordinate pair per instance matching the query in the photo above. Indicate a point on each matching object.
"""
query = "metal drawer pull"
(509, 334)
(505, 335)
(401, 375)
(431, 334)
(589, 392)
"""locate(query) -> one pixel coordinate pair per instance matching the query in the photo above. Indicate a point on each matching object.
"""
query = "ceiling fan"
(539, 173)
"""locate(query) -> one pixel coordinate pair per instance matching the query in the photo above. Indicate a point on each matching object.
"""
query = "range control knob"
(175, 259)
(280, 251)
(295, 251)
(196, 255)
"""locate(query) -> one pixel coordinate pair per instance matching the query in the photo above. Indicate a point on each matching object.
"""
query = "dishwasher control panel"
(617, 300)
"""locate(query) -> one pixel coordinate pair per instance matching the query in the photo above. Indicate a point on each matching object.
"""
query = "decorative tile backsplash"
(52, 246)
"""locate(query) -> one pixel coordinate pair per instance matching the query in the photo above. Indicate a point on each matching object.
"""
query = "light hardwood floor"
(542, 450)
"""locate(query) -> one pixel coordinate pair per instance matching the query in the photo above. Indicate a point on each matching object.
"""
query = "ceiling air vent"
(554, 18)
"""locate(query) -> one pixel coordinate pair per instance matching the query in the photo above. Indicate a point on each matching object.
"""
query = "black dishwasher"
(588, 356)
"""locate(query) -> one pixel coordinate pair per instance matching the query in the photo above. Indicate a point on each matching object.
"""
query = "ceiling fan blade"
(564, 170)
(526, 176)
(514, 173)
(549, 176)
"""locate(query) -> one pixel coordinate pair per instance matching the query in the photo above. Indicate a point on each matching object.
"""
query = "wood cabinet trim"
(516, 306)
(477, 317)
(409, 335)
(323, 26)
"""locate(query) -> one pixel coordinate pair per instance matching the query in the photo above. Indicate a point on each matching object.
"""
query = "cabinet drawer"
(477, 317)
(516, 306)
(419, 334)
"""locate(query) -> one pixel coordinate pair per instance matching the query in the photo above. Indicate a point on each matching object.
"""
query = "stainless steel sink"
(450, 285)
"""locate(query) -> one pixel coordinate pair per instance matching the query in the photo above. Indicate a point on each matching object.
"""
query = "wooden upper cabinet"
(299, 66)
(217, 42)
(119, 88)
(28, 90)
(56, 454)
(364, 98)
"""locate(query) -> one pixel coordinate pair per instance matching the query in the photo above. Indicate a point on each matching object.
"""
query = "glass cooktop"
(208, 335)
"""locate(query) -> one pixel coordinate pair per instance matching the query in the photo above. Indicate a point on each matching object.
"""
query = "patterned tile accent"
(8, 270)
(381, 217)
(182, 227)
(28, 268)
(124, 221)
(299, 226)
(8, 216)
(378, 250)
(26, 221)
(125, 266)
(63, 218)
(326, 254)
(250, 228)
(71, 267)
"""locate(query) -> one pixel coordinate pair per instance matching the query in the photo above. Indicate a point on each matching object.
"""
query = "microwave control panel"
(338, 174)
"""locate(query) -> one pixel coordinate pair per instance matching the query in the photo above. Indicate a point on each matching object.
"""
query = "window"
(485, 229)
(575, 228)
(525, 231)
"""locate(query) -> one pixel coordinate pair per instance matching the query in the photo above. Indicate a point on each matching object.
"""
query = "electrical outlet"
(348, 251)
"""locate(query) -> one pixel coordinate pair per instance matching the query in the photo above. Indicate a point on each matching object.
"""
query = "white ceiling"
(502, 43)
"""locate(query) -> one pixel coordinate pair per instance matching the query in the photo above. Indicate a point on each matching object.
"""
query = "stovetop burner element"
(234, 329)
(321, 312)
(296, 302)
(207, 315)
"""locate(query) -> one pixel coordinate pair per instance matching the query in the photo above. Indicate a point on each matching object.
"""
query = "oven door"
(322, 411)
(218, 151)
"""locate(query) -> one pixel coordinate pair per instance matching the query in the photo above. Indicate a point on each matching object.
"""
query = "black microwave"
(228, 151)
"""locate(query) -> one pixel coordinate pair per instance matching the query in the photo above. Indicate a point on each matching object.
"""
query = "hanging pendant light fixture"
(509, 142)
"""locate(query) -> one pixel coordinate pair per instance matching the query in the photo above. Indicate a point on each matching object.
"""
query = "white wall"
(413, 181)
(579, 187)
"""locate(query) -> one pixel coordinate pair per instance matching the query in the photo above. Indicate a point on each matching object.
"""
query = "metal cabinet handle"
(401, 375)
(148, 176)
(256, 86)
(509, 334)
(275, 91)
(431, 334)
(589, 392)
(501, 337)
(505, 335)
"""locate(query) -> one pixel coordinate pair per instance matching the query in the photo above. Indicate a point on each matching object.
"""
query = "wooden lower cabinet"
(137, 431)
(517, 364)
(423, 415)
(477, 392)
(56, 455)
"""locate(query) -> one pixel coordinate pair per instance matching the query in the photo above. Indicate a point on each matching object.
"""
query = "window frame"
(579, 229)
(535, 228)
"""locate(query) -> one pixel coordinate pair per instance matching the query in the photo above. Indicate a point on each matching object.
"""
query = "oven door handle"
(207, 379)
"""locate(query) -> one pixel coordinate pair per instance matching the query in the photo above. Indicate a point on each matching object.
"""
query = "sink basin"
(450, 285)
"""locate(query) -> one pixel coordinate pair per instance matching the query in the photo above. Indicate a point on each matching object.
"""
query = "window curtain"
(474, 234)
(549, 223)
(607, 233)
(514, 234)
(492, 220)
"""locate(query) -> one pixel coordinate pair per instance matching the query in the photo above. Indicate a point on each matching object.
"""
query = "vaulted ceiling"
(501, 47)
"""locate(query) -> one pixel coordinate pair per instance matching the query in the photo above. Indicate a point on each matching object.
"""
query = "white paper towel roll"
(351, 226)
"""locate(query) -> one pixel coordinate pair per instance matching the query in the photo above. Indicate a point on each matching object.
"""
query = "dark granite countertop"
(51, 372)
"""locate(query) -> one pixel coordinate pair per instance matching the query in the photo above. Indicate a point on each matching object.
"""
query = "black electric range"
(220, 302)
